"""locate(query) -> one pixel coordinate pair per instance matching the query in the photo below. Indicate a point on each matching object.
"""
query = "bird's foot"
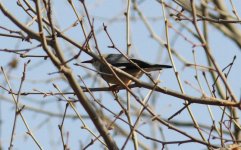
(114, 88)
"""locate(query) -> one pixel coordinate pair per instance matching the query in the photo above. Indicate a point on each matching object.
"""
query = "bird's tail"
(156, 67)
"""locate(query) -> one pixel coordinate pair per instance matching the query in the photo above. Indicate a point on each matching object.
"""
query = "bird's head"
(95, 62)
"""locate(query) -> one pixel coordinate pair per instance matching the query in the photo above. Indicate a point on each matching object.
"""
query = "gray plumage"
(119, 61)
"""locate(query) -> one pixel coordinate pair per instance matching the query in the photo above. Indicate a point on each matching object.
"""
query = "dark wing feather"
(118, 60)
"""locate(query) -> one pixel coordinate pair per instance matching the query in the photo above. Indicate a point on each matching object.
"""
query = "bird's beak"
(88, 61)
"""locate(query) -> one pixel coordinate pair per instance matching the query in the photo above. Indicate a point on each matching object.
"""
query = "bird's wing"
(140, 63)
(118, 60)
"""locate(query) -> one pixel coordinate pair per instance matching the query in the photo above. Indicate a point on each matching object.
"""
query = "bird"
(122, 62)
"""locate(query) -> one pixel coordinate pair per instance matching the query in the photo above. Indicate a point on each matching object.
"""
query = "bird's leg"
(114, 88)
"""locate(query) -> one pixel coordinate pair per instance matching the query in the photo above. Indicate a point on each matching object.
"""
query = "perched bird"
(119, 61)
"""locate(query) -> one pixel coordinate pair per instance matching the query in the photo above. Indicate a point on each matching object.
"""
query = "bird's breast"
(110, 78)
